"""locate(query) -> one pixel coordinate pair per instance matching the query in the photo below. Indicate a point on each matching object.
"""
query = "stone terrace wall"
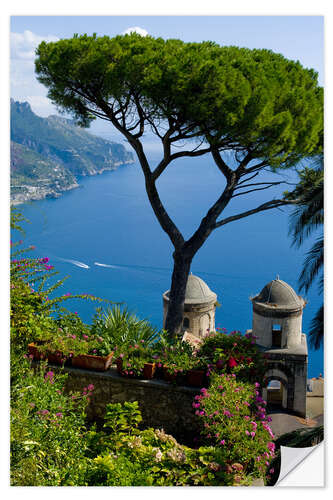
(162, 405)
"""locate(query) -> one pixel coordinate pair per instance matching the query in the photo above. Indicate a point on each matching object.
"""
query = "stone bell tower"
(199, 307)
(277, 324)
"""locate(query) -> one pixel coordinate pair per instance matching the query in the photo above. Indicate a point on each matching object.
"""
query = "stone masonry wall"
(162, 404)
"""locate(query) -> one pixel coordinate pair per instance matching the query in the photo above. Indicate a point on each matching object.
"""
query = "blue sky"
(296, 37)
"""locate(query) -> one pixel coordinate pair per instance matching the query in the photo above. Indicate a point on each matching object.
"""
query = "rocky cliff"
(49, 154)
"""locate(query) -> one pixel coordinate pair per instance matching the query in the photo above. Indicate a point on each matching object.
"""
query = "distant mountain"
(47, 154)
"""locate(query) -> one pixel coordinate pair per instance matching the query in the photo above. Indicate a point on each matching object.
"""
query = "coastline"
(37, 193)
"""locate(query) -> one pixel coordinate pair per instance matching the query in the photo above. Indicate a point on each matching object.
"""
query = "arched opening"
(275, 393)
(186, 323)
(275, 390)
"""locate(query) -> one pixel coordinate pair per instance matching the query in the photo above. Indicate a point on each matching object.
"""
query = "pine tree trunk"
(181, 269)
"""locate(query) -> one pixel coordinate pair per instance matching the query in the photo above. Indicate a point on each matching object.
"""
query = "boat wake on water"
(75, 263)
(108, 265)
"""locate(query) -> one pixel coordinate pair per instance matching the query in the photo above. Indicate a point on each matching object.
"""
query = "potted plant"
(149, 370)
(196, 374)
(94, 361)
(135, 361)
(178, 359)
(96, 353)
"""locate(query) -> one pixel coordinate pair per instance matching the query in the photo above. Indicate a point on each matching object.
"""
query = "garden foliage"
(51, 443)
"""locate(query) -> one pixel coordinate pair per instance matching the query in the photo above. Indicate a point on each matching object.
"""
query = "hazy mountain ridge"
(48, 153)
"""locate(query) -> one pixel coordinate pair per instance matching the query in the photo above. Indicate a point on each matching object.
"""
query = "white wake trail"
(106, 265)
(75, 262)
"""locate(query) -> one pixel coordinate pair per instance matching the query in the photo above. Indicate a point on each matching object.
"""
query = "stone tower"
(277, 324)
(199, 307)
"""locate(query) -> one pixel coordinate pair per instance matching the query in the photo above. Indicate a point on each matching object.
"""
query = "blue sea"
(105, 237)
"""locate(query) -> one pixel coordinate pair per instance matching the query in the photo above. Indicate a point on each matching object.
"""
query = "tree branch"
(267, 184)
(246, 180)
(265, 206)
(222, 166)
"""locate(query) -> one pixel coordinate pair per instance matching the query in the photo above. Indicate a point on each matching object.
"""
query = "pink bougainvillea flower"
(271, 446)
(232, 362)
(222, 441)
(91, 387)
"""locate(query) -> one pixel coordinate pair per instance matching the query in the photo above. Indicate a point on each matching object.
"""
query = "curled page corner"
(302, 466)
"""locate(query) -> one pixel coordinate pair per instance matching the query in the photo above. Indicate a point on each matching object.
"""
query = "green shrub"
(233, 418)
(47, 427)
(178, 356)
(130, 457)
(233, 353)
(119, 327)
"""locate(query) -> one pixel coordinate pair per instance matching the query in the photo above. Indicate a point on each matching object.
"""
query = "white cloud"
(135, 29)
(41, 105)
(24, 84)
(23, 45)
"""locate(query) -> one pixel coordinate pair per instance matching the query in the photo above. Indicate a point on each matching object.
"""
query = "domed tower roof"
(197, 291)
(278, 295)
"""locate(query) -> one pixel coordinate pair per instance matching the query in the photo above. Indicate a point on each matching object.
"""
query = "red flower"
(232, 362)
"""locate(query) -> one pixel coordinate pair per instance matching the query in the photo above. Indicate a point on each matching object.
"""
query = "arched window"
(275, 392)
(186, 323)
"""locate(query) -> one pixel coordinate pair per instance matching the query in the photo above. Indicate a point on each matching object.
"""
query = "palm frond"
(313, 263)
(316, 333)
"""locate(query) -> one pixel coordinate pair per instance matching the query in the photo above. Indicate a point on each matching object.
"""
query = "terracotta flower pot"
(127, 371)
(149, 370)
(195, 378)
(33, 350)
(91, 362)
(55, 358)
(168, 376)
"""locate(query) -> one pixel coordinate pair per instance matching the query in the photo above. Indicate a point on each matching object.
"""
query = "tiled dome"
(197, 291)
(279, 293)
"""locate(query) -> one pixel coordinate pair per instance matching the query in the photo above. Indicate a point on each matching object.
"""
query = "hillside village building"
(277, 324)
